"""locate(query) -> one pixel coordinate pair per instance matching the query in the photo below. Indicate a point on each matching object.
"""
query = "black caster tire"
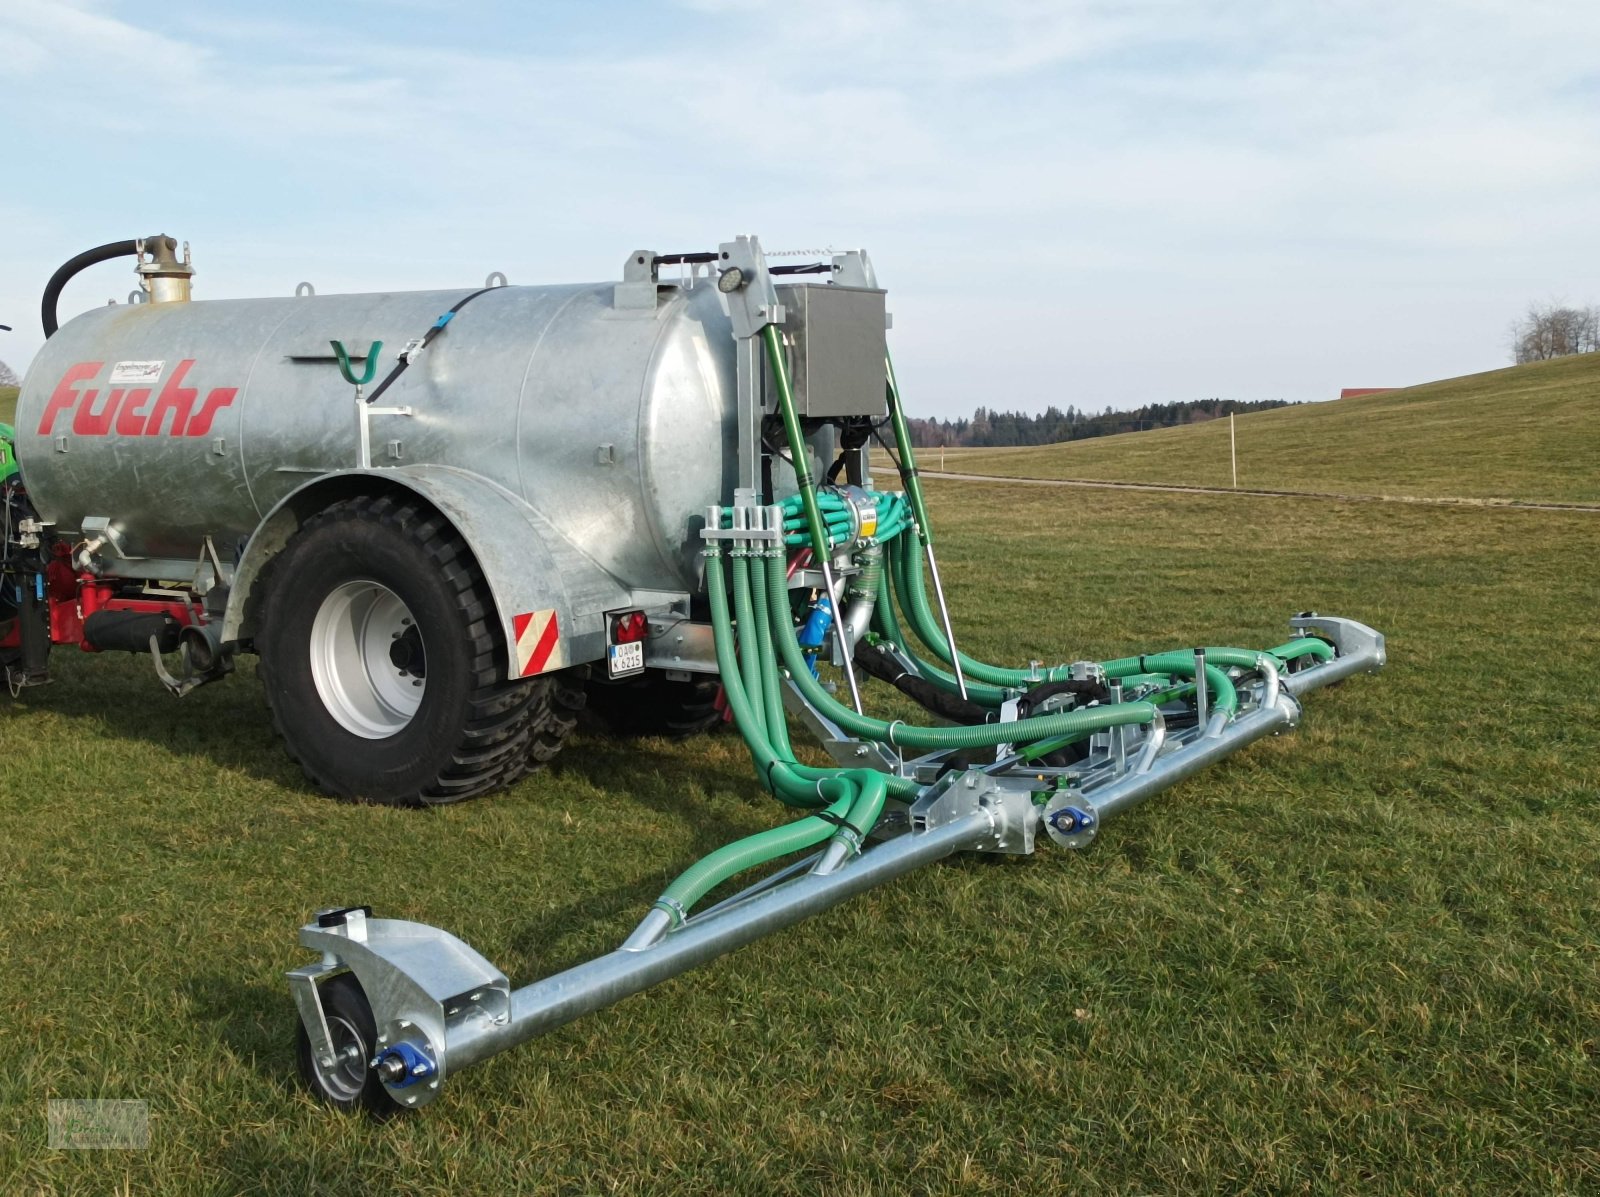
(354, 1087)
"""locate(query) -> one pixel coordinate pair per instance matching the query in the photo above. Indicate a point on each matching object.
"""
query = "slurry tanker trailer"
(443, 521)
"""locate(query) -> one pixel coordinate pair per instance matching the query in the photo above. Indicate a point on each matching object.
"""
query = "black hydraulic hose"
(58, 280)
(947, 706)
(434, 330)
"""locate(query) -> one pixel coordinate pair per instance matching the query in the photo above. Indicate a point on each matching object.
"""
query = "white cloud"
(1029, 173)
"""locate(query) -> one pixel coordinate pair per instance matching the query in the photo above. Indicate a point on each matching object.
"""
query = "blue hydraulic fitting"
(1069, 820)
(403, 1065)
(815, 630)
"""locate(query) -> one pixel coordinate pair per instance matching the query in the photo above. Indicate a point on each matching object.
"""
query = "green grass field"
(1357, 958)
(8, 404)
(1529, 433)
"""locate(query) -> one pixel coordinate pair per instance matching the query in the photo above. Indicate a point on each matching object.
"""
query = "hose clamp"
(863, 511)
(674, 910)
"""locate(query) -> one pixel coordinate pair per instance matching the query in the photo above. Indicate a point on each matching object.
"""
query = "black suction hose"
(58, 280)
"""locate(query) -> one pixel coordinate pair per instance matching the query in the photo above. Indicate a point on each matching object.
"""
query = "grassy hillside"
(1355, 958)
(8, 404)
(1530, 433)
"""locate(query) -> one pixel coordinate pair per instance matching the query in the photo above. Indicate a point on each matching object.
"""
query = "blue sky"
(1087, 203)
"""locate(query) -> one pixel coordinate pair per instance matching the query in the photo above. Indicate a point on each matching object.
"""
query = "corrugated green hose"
(1066, 723)
(1219, 686)
(905, 578)
(854, 797)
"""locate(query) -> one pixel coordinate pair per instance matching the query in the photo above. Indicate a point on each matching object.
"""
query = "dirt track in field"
(1497, 504)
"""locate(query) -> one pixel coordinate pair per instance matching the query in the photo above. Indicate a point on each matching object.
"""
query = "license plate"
(624, 659)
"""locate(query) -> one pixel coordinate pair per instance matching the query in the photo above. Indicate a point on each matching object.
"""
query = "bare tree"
(8, 376)
(1554, 330)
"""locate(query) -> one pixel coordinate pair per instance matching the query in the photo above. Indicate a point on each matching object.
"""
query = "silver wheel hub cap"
(367, 659)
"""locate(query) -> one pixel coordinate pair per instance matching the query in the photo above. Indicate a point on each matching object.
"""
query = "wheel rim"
(345, 1080)
(367, 659)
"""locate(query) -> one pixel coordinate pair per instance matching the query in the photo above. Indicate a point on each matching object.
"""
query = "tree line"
(997, 428)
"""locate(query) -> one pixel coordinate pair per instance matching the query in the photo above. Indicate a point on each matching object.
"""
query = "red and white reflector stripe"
(539, 644)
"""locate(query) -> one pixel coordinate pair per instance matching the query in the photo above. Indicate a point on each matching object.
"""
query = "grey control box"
(837, 347)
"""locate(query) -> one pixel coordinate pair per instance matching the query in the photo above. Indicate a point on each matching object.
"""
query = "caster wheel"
(351, 1085)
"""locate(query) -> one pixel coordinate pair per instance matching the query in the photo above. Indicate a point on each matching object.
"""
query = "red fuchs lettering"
(219, 398)
(125, 410)
(66, 393)
(88, 422)
(130, 420)
(175, 398)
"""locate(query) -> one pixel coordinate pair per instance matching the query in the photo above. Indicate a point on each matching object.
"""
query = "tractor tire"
(383, 665)
(354, 1087)
(653, 705)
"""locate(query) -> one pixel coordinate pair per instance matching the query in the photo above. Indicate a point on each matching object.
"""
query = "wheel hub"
(405, 653)
(346, 1078)
(367, 659)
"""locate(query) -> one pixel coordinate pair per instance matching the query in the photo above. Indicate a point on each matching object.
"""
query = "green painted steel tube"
(912, 736)
(797, 440)
(907, 457)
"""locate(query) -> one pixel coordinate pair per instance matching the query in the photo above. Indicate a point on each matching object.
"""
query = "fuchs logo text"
(128, 411)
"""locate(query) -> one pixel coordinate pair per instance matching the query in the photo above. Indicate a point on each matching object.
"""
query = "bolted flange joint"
(403, 1064)
(1068, 825)
(1069, 820)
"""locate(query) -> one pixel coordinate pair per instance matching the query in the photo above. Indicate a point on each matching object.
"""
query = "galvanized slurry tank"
(417, 544)
(179, 421)
(208, 476)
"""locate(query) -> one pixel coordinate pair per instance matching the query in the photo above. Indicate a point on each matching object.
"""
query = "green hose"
(784, 780)
(888, 626)
(908, 576)
(750, 656)
(905, 577)
(865, 584)
(907, 735)
(1224, 696)
(1303, 647)
(711, 871)
(854, 797)
(771, 687)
